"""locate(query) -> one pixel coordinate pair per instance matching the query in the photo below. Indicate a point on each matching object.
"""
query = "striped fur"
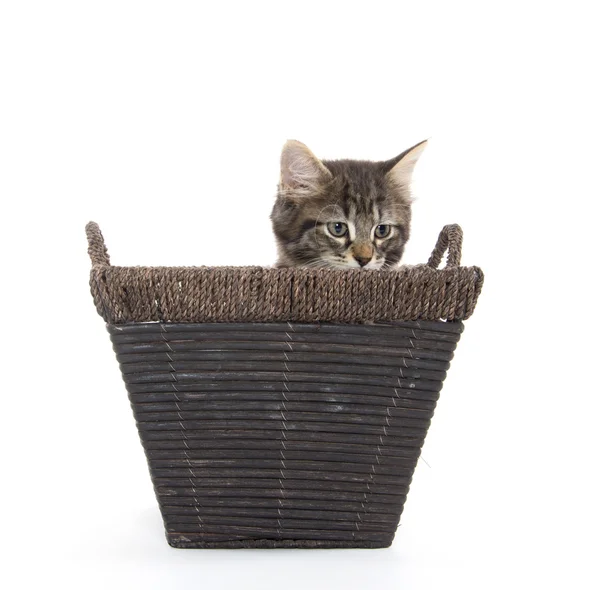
(362, 195)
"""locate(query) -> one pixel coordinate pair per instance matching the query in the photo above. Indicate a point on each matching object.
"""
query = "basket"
(283, 407)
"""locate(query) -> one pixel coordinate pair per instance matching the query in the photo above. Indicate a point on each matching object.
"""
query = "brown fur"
(361, 194)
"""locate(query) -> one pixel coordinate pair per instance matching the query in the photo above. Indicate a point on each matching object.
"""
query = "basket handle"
(96, 246)
(450, 239)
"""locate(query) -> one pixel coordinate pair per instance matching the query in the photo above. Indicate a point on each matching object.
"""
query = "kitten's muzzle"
(362, 260)
(362, 253)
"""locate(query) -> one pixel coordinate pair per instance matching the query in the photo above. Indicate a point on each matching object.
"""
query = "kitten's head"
(342, 213)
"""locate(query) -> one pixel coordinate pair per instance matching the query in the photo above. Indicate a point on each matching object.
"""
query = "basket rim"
(126, 294)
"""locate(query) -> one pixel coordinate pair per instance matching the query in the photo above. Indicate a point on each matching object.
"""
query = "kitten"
(342, 213)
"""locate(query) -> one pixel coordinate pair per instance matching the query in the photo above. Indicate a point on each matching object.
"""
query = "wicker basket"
(283, 407)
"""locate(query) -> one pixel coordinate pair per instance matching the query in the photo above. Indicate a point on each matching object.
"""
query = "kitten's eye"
(337, 229)
(382, 231)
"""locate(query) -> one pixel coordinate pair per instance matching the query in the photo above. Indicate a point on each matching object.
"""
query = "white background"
(163, 122)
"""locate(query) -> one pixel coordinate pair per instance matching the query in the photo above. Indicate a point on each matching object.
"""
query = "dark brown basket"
(283, 407)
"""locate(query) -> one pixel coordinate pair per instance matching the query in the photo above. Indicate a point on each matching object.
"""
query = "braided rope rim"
(257, 294)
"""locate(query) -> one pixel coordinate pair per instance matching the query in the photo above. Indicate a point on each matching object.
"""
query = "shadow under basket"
(283, 407)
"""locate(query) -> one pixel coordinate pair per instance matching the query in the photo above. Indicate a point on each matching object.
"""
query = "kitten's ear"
(401, 167)
(300, 168)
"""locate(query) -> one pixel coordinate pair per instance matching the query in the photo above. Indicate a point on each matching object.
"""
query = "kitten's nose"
(362, 260)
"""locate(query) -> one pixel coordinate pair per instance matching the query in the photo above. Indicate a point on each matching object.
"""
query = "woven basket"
(283, 407)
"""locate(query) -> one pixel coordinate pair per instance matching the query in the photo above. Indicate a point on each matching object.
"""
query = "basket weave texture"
(283, 407)
(256, 294)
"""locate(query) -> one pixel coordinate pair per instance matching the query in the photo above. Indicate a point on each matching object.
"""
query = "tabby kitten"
(342, 213)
